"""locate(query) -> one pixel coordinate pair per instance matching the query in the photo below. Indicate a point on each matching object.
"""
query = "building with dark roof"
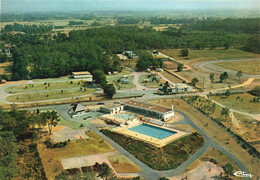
(149, 109)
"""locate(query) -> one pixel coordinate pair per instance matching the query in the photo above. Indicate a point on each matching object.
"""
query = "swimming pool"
(125, 116)
(152, 131)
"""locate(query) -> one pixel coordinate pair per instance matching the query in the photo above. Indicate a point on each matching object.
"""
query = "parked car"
(100, 103)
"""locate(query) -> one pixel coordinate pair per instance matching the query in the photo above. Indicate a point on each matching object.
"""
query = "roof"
(147, 106)
(81, 73)
(112, 106)
(79, 107)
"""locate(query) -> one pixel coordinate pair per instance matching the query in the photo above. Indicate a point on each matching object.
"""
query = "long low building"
(82, 75)
(149, 109)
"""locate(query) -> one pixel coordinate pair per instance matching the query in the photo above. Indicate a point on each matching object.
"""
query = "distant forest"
(44, 55)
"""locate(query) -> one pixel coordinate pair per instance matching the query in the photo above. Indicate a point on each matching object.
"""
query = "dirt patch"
(51, 156)
(206, 170)
(98, 121)
(5, 68)
(122, 164)
(170, 65)
(177, 117)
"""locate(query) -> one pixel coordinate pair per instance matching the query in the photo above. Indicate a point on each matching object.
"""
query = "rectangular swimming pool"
(153, 131)
(125, 116)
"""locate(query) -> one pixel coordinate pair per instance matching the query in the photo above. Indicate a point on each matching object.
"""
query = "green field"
(121, 86)
(248, 67)
(49, 95)
(45, 86)
(218, 53)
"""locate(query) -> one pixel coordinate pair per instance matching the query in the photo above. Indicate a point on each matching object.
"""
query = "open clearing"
(207, 54)
(49, 95)
(45, 86)
(171, 77)
(240, 102)
(248, 67)
(122, 164)
(220, 158)
(5, 68)
(51, 157)
(170, 65)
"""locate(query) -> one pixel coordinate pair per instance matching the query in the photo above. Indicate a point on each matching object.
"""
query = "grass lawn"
(122, 164)
(51, 157)
(171, 77)
(165, 158)
(121, 86)
(248, 67)
(150, 84)
(49, 95)
(45, 86)
(242, 104)
(218, 53)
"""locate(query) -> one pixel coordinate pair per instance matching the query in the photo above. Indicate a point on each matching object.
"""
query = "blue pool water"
(125, 116)
(152, 131)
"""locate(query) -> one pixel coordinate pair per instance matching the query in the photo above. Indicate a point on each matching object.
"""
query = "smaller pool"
(153, 131)
(125, 116)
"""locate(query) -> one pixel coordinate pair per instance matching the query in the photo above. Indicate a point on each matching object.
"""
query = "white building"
(112, 109)
(149, 110)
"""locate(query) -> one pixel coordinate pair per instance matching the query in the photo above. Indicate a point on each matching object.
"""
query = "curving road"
(151, 174)
(203, 66)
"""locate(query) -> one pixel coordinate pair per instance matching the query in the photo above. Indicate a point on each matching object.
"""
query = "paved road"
(151, 174)
(203, 66)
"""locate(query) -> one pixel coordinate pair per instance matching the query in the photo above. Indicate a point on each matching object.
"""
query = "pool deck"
(151, 140)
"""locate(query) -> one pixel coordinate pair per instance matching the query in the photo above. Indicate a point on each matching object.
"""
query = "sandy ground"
(98, 121)
(177, 117)
(206, 170)
(90, 160)
(64, 133)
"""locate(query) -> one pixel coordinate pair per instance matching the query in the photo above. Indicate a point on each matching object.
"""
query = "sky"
(10, 6)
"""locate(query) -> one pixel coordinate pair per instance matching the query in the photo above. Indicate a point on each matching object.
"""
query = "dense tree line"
(71, 23)
(128, 20)
(16, 127)
(165, 20)
(41, 56)
(227, 25)
(28, 29)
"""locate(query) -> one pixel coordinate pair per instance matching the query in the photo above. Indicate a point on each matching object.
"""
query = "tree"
(106, 172)
(8, 152)
(109, 90)
(194, 81)
(184, 52)
(228, 168)
(211, 77)
(226, 45)
(51, 118)
(223, 76)
(239, 74)
(227, 93)
(225, 111)
(179, 68)
(99, 76)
